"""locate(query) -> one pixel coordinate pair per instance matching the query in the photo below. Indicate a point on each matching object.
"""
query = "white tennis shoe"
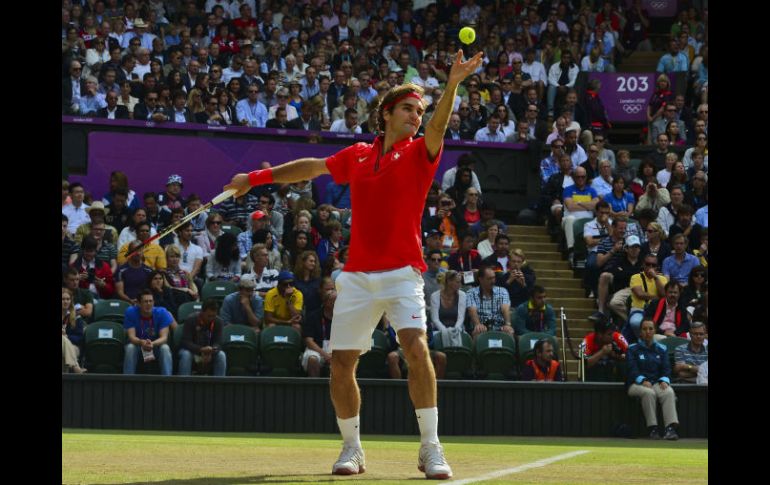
(350, 462)
(433, 463)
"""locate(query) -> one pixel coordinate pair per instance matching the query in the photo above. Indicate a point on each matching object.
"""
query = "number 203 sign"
(625, 95)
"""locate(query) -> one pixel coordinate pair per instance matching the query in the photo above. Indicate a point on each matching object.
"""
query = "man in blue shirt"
(491, 132)
(245, 307)
(678, 265)
(674, 60)
(249, 111)
(147, 332)
(550, 164)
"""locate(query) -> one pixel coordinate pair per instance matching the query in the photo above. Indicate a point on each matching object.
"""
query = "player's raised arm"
(434, 131)
(294, 171)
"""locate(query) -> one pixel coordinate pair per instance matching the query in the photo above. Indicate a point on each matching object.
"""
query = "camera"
(91, 275)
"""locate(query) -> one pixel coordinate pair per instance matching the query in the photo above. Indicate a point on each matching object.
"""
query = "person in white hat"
(96, 212)
(172, 197)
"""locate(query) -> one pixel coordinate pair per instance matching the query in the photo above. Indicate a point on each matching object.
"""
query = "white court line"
(520, 468)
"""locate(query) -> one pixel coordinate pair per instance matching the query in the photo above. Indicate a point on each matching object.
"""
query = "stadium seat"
(527, 345)
(372, 363)
(234, 230)
(459, 360)
(580, 250)
(671, 344)
(218, 290)
(110, 310)
(104, 347)
(280, 347)
(240, 345)
(495, 355)
(188, 308)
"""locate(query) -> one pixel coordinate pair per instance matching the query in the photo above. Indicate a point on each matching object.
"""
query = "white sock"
(427, 419)
(350, 430)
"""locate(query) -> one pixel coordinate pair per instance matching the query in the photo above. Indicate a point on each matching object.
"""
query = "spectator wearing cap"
(245, 306)
(544, 367)
(172, 198)
(96, 213)
(603, 350)
(615, 278)
(76, 211)
(284, 303)
(283, 102)
(257, 222)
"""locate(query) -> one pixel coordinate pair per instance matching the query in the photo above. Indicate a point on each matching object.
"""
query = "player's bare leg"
(422, 390)
(346, 399)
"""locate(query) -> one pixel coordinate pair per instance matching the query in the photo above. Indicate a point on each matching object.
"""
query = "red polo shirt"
(387, 194)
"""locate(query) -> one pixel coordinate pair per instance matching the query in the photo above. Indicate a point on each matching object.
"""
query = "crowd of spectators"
(324, 66)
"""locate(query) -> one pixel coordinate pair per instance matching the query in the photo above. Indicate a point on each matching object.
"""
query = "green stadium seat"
(218, 290)
(527, 345)
(459, 360)
(372, 363)
(110, 310)
(580, 250)
(671, 344)
(234, 230)
(188, 308)
(280, 348)
(104, 347)
(241, 346)
(495, 355)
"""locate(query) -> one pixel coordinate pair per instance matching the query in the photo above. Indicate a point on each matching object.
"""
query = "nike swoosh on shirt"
(362, 159)
(414, 317)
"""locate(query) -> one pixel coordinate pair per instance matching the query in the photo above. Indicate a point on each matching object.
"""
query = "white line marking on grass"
(520, 468)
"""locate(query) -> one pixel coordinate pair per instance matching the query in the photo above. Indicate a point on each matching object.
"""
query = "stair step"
(529, 247)
(584, 303)
(565, 274)
(543, 256)
(532, 230)
(573, 313)
(557, 292)
(549, 283)
(550, 264)
(528, 238)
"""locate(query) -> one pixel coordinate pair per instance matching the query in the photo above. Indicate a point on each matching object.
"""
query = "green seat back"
(280, 348)
(241, 346)
(234, 230)
(495, 354)
(104, 347)
(671, 344)
(218, 290)
(188, 308)
(459, 360)
(372, 363)
(111, 310)
(527, 345)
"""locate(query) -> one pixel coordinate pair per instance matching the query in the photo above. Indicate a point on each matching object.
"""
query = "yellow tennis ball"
(467, 35)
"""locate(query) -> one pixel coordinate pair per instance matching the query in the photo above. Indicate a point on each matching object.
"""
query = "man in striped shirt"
(489, 306)
(690, 356)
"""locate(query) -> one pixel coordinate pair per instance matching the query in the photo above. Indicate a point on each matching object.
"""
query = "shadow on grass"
(275, 479)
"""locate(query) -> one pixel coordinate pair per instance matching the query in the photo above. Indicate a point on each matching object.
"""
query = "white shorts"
(307, 355)
(362, 298)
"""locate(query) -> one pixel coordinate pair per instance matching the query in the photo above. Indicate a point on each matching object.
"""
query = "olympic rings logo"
(659, 5)
(632, 109)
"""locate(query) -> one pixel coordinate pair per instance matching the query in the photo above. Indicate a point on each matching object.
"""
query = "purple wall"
(205, 164)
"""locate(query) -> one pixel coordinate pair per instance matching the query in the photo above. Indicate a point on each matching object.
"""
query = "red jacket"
(103, 271)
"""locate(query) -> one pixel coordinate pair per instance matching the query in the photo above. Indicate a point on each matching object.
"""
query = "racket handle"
(223, 196)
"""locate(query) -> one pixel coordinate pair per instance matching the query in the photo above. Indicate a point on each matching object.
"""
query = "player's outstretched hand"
(240, 182)
(461, 70)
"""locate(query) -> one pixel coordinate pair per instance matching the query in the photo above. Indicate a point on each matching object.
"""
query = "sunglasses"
(217, 223)
(436, 260)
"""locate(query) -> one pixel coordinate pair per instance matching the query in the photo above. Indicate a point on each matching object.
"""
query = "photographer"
(449, 222)
(489, 307)
(604, 350)
(94, 275)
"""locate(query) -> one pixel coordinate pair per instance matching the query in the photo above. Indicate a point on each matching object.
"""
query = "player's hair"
(392, 95)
